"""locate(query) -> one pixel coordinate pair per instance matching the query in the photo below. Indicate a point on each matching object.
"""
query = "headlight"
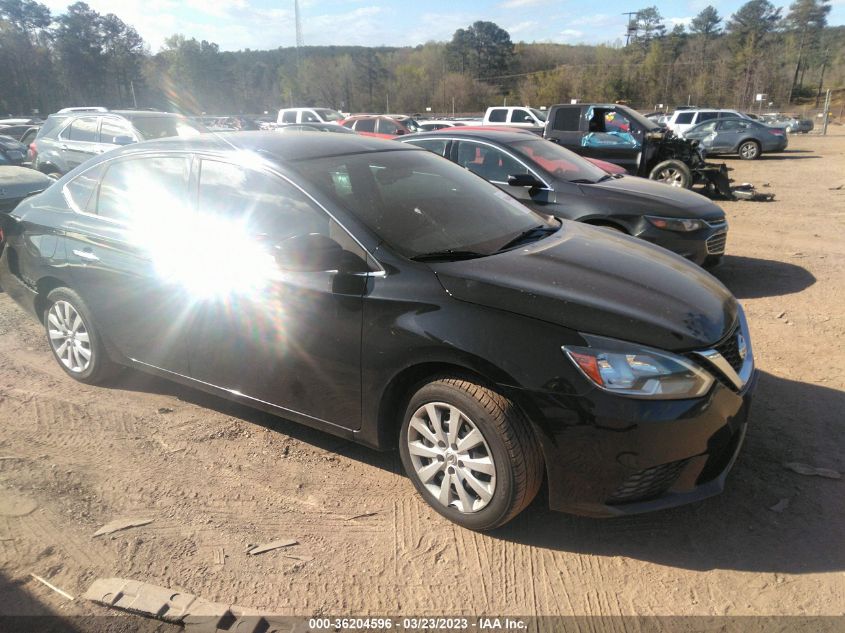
(676, 224)
(628, 369)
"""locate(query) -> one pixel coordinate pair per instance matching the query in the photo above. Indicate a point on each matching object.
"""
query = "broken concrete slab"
(152, 600)
(260, 549)
(121, 524)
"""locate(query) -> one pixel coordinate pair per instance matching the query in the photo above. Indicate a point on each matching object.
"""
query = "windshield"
(152, 127)
(329, 115)
(419, 203)
(558, 161)
(648, 124)
(539, 114)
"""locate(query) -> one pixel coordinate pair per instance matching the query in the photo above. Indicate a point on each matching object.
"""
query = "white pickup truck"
(516, 116)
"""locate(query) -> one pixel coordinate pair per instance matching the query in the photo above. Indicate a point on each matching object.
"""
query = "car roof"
(278, 147)
(490, 133)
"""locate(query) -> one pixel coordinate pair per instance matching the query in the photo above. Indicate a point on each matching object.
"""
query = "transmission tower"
(299, 42)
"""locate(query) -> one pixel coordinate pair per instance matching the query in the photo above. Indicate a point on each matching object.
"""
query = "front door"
(290, 339)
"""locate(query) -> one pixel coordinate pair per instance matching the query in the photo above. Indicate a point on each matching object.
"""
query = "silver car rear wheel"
(451, 458)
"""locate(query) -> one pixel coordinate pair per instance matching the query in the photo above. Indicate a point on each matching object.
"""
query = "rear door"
(125, 248)
(80, 141)
(728, 135)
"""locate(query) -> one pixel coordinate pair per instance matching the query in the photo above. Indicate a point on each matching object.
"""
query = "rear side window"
(567, 119)
(266, 205)
(79, 192)
(437, 146)
(365, 125)
(113, 128)
(152, 127)
(685, 117)
(131, 187)
(707, 116)
(521, 116)
(84, 129)
(289, 117)
(498, 115)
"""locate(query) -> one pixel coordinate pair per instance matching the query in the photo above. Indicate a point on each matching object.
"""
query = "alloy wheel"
(69, 336)
(451, 457)
(748, 150)
(671, 176)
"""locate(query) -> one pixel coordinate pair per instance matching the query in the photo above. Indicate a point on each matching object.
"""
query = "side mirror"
(312, 252)
(524, 180)
(400, 132)
(122, 140)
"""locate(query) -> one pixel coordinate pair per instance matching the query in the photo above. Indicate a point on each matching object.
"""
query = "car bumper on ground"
(608, 455)
(702, 246)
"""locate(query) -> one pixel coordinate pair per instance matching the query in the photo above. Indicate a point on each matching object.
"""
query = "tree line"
(82, 57)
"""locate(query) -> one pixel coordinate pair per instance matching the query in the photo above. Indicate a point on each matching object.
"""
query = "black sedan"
(553, 180)
(378, 292)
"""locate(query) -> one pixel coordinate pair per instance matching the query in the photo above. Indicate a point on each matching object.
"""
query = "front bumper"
(696, 246)
(608, 455)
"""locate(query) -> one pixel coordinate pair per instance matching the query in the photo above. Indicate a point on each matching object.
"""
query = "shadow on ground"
(790, 421)
(752, 278)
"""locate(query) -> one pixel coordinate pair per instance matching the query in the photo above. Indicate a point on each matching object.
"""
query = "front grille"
(729, 349)
(647, 484)
(716, 244)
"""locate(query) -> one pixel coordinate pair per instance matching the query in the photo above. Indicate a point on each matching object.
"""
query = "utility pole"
(632, 27)
(826, 113)
(132, 89)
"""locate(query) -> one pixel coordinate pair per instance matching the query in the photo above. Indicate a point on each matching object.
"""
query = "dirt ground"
(217, 477)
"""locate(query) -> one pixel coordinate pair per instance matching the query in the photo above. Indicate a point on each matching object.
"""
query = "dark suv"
(379, 292)
(68, 139)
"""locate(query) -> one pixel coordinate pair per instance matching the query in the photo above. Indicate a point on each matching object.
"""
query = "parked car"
(381, 125)
(436, 124)
(18, 183)
(17, 132)
(518, 116)
(68, 140)
(682, 120)
(390, 297)
(792, 123)
(552, 180)
(12, 151)
(747, 138)
(618, 134)
(309, 115)
(313, 127)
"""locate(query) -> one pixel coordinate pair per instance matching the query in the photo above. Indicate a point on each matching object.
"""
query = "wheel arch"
(43, 287)
(606, 222)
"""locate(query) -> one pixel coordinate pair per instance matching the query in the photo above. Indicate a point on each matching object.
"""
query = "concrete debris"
(164, 410)
(121, 524)
(810, 471)
(64, 594)
(780, 506)
(781, 315)
(260, 549)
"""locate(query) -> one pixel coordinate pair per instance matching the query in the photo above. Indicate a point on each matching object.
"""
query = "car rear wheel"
(672, 172)
(470, 453)
(749, 150)
(75, 342)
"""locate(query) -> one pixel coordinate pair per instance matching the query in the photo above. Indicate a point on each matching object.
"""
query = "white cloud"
(685, 22)
(570, 35)
(217, 8)
(515, 4)
(521, 26)
(596, 20)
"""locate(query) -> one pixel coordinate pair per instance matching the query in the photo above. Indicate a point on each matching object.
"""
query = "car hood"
(599, 282)
(18, 182)
(652, 197)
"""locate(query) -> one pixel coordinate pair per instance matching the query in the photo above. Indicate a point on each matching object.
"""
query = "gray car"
(747, 138)
(67, 140)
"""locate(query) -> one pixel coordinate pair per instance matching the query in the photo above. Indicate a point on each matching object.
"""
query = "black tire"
(749, 150)
(99, 368)
(516, 457)
(672, 172)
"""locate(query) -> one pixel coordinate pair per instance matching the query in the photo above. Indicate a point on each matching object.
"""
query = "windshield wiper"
(447, 255)
(529, 235)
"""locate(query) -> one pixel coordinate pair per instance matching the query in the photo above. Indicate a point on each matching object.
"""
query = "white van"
(309, 115)
(682, 120)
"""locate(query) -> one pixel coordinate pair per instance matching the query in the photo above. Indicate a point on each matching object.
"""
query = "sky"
(264, 24)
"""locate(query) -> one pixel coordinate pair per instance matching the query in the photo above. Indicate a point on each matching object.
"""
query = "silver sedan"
(747, 138)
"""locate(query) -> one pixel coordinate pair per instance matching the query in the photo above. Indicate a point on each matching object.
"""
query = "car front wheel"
(470, 453)
(75, 342)
(672, 172)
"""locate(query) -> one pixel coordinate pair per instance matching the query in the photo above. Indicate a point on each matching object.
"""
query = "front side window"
(419, 203)
(84, 130)
(152, 127)
(138, 187)
(111, 129)
(707, 116)
(704, 128)
(387, 126)
(488, 162)
(309, 117)
(519, 115)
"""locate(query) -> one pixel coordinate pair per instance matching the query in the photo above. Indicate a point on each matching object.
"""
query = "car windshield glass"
(419, 203)
(539, 114)
(329, 115)
(558, 161)
(152, 127)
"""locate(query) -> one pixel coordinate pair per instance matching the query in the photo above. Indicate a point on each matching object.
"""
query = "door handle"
(87, 254)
